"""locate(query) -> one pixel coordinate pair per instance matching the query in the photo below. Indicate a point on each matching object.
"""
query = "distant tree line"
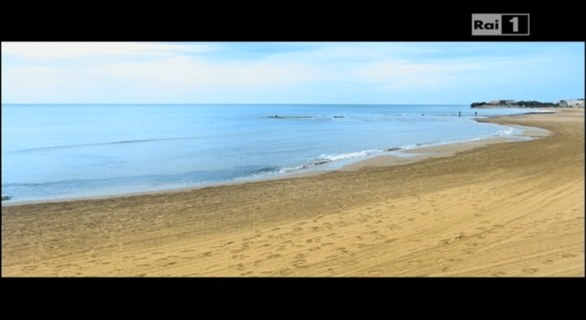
(477, 104)
(535, 104)
(519, 104)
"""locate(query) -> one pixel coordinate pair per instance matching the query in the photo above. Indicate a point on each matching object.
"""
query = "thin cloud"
(405, 74)
(105, 72)
(43, 51)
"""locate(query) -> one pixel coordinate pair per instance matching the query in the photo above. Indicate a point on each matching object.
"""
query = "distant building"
(501, 102)
(577, 103)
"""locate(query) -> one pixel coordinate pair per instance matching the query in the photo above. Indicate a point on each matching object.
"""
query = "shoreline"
(448, 149)
(419, 153)
(501, 210)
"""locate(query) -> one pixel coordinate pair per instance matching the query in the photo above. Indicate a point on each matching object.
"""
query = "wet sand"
(502, 209)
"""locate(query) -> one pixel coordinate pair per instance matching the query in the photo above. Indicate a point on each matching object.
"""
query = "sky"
(291, 72)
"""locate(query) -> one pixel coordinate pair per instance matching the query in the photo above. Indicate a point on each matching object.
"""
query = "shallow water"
(65, 151)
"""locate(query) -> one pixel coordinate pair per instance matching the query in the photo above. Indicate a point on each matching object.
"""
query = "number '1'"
(515, 22)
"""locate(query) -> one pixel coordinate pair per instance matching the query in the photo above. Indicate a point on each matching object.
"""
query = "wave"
(328, 158)
(320, 117)
(349, 155)
(265, 170)
(72, 146)
(505, 132)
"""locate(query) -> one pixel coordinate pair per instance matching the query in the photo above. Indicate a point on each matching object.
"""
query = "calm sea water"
(65, 151)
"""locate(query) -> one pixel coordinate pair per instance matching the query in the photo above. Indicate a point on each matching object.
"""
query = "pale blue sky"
(290, 72)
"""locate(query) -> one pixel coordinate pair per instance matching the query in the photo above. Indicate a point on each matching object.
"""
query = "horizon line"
(199, 103)
(188, 103)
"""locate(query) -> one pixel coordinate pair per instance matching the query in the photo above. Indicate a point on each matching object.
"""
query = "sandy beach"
(501, 209)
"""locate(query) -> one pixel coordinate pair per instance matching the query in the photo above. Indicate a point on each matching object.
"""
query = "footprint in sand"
(530, 270)
(299, 262)
(285, 272)
(29, 268)
(375, 272)
(343, 250)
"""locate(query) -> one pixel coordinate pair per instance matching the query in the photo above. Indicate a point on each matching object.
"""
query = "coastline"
(411, 155)
(445, 149)
(478, 210)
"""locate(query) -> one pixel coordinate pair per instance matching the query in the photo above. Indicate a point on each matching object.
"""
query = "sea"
(52, 152)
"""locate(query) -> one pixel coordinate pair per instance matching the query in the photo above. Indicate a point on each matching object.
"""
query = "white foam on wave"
(349, 155)
(292, 169)
(505, 132)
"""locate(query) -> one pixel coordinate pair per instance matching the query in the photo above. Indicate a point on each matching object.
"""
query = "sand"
(507, 209)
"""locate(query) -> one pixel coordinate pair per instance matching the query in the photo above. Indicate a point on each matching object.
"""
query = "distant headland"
(577, 103)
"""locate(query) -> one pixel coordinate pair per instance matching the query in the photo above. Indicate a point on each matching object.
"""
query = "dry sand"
(506, 209)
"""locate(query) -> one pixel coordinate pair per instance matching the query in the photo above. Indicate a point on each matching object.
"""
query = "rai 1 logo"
(500, 24)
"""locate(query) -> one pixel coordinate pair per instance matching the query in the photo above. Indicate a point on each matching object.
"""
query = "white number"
(515, 22)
